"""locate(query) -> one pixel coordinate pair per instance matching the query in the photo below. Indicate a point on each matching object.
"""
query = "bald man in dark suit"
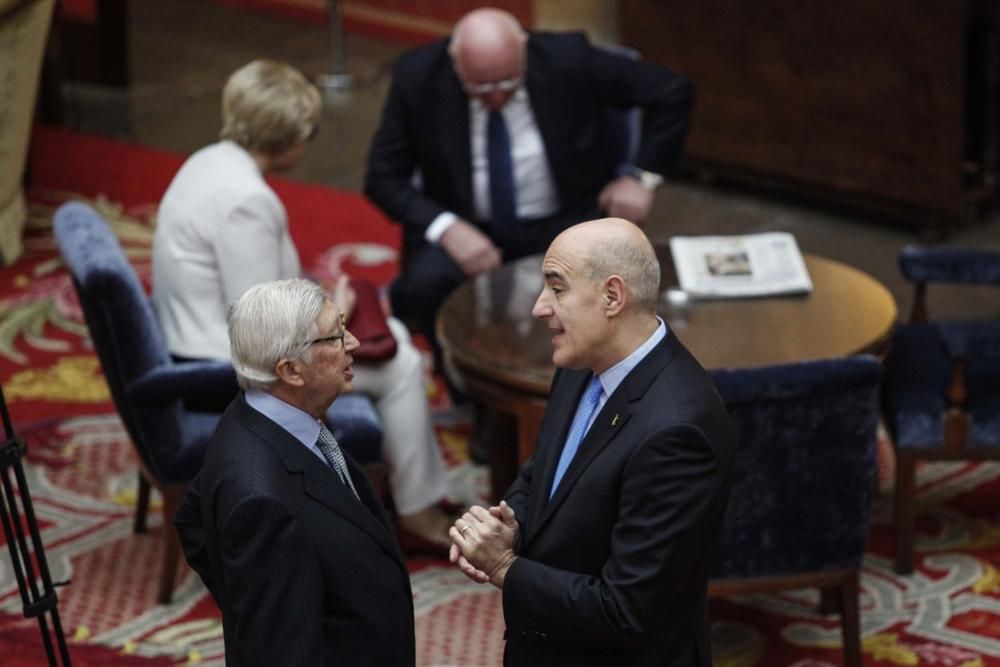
(545, 96)
(603, 544)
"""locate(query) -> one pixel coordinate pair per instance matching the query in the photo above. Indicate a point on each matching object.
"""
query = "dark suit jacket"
(303, 572)
(613, 570)
(571, 85)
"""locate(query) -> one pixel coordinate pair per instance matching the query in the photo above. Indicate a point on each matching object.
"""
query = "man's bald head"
(487, 47)
(613, 246)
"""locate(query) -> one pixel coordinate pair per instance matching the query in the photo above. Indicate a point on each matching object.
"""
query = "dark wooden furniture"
(92, 42)
(889, 106)
(503, 357)
(941, 388)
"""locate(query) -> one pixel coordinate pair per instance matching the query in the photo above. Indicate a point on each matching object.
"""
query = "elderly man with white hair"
(281, 525)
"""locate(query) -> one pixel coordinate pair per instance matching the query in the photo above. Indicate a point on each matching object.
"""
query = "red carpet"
(82, 476)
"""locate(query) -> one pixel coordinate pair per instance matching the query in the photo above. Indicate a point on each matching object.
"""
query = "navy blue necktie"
(588, 403)
(502, 195)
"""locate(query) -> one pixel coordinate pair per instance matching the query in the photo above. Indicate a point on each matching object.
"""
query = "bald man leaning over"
(508, 132)
(603, 543)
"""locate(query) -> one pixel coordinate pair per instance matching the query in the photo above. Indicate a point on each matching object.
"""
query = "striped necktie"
(331, 451)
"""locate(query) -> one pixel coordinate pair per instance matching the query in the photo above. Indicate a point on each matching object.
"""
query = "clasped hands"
(483, 543)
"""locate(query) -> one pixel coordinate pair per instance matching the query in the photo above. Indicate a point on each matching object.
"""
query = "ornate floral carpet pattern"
(81, 473)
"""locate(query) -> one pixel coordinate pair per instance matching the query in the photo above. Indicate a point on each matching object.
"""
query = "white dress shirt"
(534, 187)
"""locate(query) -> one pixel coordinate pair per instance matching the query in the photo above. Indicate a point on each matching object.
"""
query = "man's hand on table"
(472, 250)
(626, 198)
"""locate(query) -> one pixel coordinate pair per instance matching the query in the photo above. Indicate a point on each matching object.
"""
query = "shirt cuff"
(439, 226)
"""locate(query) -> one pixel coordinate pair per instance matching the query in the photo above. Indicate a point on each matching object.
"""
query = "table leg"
(499, 431)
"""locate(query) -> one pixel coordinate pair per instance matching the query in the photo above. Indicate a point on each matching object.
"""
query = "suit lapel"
(610, 421)
(321, 483)
(555, 429)
(547, 105)
(453, 122)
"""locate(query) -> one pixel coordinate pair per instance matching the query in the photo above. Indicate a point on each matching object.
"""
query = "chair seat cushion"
(918, 372)
(356, 425)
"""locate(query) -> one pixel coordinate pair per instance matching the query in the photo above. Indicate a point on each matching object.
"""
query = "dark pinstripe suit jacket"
(303, 572)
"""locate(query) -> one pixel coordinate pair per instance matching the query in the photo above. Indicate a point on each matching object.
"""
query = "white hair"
(270, 322)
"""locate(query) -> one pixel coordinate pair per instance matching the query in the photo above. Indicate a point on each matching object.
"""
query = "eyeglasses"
(331, 339)
(328, 339)
(505, 86)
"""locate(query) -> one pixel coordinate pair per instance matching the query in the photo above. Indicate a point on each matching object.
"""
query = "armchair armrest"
(208, 386)
(921, 264)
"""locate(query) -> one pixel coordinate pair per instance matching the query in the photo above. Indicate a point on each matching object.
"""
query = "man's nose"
(495, 100)
(350, 342)
(541, 309)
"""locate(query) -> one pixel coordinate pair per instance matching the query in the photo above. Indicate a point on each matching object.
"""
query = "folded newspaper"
(740, 266)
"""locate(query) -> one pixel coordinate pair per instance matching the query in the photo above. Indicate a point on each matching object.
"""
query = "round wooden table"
(502, 356)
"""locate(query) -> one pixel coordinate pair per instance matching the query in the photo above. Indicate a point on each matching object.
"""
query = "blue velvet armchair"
(941, 396)
(803, 482)
(169, 409)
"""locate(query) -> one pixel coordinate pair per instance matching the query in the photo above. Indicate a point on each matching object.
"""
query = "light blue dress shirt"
(300, 425)
(611, 378)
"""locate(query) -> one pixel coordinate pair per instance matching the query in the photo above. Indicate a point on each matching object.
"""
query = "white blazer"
(220, 230)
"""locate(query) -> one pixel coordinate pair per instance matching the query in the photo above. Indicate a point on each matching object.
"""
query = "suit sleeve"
(277, 588)
(191, 528)
(665, 97)
(392, 162)
(517, 497)
(664, 532)
(517, 494)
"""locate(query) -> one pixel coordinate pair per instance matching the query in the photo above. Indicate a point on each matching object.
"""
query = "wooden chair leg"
(829, 600)
(172, 496)
(850, 622)
(906, 483)
(141, 505)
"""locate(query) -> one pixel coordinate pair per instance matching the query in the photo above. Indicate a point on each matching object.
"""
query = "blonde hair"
(268, 107)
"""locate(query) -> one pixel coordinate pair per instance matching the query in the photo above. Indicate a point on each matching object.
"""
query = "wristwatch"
(647, 179)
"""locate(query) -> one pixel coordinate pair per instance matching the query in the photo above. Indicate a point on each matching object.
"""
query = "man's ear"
(289, 372)
(614, 295)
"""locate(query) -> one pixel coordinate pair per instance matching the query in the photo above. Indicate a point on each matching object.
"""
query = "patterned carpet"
(81, 472)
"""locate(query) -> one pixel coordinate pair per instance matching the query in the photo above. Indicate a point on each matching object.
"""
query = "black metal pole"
(338, 80)
(40, 604)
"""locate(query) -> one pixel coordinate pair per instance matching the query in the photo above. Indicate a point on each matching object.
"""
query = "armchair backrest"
(123, 328)
(943, 377)
(921, 265)
(804, 474)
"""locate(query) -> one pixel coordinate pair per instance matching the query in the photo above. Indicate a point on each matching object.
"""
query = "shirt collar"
(300, 425)
(519, 97)
(611, 378)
